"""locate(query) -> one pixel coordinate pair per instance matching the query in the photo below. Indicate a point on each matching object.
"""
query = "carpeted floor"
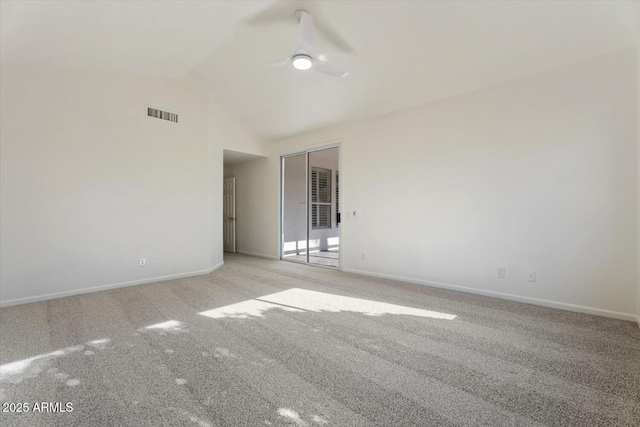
(266, 343)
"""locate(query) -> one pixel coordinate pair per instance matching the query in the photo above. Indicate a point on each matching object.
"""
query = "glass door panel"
(294, 208)
(323, 199)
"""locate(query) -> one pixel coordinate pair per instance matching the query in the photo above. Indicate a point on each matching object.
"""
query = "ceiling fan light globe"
(302, 62)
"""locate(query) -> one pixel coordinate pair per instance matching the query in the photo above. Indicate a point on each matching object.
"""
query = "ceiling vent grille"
(163, 115)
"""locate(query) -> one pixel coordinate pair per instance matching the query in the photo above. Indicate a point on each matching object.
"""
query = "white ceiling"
(399, 54)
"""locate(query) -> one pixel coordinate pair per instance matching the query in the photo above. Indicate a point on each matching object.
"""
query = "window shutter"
(314, 186)
(314, 215)
(320, 197)
(324, 195)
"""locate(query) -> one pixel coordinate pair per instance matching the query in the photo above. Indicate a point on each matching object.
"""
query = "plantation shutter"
(320, 198)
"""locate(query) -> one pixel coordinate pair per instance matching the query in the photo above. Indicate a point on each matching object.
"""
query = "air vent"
(163, 115)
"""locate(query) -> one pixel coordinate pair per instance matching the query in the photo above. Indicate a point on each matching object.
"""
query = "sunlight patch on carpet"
(292, 416)
(301, 300)
(15, 372)
(173, 326)
(245, 309)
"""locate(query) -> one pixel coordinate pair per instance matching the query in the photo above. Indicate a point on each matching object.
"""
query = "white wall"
(90, 184)
(534, 174)
(638, 170)
(235, 137)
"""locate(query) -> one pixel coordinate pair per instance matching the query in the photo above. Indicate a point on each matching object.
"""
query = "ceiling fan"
(302, 58)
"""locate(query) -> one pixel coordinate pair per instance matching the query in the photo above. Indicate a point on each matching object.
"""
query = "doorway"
(236, 203)
(310, 220)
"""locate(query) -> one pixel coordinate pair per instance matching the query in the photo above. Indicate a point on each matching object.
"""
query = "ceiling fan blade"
(284, 61)
(305, 33)
(329, 69)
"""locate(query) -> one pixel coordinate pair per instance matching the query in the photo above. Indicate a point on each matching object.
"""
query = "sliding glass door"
(311, 207)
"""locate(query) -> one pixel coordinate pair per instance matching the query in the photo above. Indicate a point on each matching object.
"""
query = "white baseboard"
(511, 297)
(257, 255)
(55, 295)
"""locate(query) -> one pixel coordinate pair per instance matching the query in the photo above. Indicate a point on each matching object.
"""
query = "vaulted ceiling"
(399, 54)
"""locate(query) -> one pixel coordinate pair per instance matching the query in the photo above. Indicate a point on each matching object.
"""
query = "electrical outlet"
(501, 272)
(531, 276)
(143, 262)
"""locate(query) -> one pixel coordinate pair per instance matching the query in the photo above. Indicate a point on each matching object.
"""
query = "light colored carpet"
(327, 258)
(262, 342)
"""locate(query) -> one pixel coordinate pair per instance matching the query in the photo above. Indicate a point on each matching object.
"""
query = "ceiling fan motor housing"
(302, 61)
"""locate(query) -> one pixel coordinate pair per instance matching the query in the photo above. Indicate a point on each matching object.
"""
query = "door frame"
(306, 151)
(225, 218)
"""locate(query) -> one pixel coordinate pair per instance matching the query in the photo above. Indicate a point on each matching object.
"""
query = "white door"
(229, 214)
